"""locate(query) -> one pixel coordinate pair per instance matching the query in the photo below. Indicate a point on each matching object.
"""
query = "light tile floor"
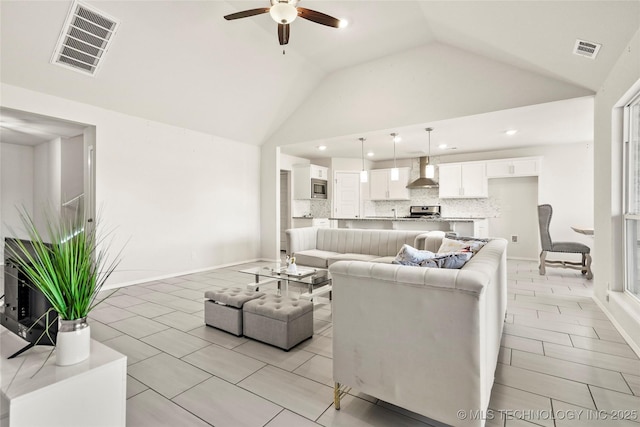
(560, 355)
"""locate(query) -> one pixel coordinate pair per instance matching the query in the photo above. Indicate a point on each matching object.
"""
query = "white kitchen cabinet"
(505, 168)
(302, 176)
(318, 172)
(463, 180)
(381, 187)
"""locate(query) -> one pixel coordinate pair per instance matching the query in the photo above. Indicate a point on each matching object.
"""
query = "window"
(632, 196)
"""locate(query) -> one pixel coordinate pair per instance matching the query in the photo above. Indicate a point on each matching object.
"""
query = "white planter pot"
(73, 342)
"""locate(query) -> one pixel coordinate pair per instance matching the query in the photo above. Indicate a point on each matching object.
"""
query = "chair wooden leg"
(541, 268)
(589, 275)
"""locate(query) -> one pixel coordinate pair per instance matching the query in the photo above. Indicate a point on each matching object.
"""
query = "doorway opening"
(46, 163)
(285, 208)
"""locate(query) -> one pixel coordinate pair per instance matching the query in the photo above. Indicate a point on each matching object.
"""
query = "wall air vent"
(587, 49)
(85, 39)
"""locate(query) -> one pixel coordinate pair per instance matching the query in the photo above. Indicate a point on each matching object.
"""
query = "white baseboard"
(634, 346)
(178, 273)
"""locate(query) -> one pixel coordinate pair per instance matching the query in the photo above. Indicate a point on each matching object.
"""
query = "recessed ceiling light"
(442, 146)
(511, 132)
(370, 154)
(322, 147)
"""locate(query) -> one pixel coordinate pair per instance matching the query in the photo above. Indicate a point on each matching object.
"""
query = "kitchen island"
(477, 227)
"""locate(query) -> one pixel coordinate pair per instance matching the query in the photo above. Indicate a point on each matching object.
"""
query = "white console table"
(90, 393)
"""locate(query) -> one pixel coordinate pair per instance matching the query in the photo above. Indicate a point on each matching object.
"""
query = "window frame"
(631, 152)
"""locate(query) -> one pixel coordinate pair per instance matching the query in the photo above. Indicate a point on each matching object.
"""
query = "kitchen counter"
(424, 219)
(309, 221)
(469, 226)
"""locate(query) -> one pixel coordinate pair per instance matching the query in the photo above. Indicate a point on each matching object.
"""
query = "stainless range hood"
(423, 181)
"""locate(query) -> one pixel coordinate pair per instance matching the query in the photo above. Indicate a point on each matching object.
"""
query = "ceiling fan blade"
(247, 13)
(318, 17)
(283, 34)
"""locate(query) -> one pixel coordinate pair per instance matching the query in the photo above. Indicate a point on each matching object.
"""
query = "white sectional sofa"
(321, 247)
(424, 339)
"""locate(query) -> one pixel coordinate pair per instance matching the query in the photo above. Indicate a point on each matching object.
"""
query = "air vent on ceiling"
(585, 48)
(84, 40)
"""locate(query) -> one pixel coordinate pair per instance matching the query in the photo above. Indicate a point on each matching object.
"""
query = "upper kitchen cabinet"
(310, 181)
(463, 180)
(381, 187)
(506, 168)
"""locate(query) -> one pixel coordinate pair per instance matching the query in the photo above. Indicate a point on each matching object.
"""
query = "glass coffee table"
(316, 280)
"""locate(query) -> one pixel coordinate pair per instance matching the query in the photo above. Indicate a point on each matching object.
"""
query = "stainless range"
(432, 211)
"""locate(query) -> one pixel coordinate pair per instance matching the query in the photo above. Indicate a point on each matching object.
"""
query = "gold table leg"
(339, 390)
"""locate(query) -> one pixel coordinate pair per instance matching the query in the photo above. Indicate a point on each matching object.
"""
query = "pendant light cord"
(393, 135)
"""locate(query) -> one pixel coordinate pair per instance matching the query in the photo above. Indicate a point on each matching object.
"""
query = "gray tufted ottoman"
(223, 308)
(277, 320)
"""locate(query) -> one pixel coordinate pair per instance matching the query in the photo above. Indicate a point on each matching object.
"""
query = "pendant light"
(395, 173)
(363, 173)
(431, 169)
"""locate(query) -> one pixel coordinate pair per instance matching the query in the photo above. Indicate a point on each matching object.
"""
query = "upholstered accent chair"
(548, 245)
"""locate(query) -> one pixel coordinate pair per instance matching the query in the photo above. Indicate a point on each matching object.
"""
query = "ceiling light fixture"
(395, 172)
(511, 132)
(322, 147)
(371, 154)
(363, 173)
(430, 170)
(283, 12)
(442, 146)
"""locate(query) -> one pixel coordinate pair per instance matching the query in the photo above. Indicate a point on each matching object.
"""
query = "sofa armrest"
(430, 241)
(301, 239)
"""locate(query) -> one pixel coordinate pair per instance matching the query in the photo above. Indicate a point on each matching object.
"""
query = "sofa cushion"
(351, 257)
(314, 258)
(371, 242)
(384, 259)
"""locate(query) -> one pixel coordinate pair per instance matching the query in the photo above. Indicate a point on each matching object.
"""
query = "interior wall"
(517, 200)
(72, 179)
(428, 83)
(47, 176)
(177, 200)
(622, 82)
(16, 188)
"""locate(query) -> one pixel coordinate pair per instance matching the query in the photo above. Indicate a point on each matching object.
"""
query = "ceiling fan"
(284, 12)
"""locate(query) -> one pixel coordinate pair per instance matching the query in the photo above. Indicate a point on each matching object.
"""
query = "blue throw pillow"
(450, 260)
(408, 255)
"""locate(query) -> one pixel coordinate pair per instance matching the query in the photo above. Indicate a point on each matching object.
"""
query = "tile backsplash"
(317, 208)
(465, 208)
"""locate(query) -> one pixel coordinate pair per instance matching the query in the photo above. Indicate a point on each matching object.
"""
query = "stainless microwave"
(318, 188)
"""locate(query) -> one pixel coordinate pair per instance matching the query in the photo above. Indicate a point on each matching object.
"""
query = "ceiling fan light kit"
(284, 12)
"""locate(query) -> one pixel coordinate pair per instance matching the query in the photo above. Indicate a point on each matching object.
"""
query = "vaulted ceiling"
(181, 63)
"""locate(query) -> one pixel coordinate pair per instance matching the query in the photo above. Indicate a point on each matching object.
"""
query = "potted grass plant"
(69, 264)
